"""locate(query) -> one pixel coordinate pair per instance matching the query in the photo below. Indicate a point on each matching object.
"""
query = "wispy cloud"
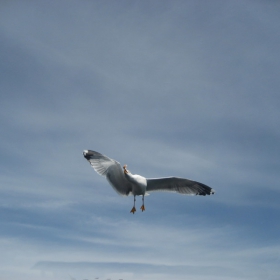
(171, 89)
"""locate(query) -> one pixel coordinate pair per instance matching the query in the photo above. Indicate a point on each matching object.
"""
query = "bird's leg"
(143, 206)
(133, 208)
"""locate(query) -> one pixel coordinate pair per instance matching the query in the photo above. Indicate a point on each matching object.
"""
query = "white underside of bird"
(125, 183)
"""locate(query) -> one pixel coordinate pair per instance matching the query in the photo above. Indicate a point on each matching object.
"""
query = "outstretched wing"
(111, 169)
(179, 185)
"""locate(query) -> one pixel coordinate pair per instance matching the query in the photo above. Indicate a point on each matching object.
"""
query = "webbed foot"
(133, 210)
(142, 208)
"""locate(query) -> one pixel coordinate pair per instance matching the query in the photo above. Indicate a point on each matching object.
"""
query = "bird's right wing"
(179, 185)
(111, 169)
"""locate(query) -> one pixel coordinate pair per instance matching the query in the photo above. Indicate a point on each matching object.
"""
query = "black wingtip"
(86, 154)
(206, 190)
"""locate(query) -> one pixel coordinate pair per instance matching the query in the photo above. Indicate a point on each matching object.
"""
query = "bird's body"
(126, 183)
(138, 183)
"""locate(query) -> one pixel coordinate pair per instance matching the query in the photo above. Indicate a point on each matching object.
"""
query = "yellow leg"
(133, 208)
(142, 207)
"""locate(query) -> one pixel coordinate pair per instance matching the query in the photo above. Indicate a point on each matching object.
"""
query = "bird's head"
(129, 176)
(125, 170)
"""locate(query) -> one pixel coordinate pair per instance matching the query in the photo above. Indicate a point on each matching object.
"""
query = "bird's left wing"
(179, 185)
(110, 168)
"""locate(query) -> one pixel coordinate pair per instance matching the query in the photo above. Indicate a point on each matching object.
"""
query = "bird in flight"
(125, 183)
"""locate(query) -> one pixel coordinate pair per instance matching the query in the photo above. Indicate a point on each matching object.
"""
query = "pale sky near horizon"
(171, 88)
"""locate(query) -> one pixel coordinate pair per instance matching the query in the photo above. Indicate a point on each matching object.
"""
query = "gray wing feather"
(179, 185)
(109, 168)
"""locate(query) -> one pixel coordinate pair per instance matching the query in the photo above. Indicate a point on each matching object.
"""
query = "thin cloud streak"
(171, 89)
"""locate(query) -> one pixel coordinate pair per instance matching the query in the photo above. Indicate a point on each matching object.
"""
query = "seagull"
(125, 183)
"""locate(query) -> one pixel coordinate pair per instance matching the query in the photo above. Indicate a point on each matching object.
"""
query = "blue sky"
(171, 88)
